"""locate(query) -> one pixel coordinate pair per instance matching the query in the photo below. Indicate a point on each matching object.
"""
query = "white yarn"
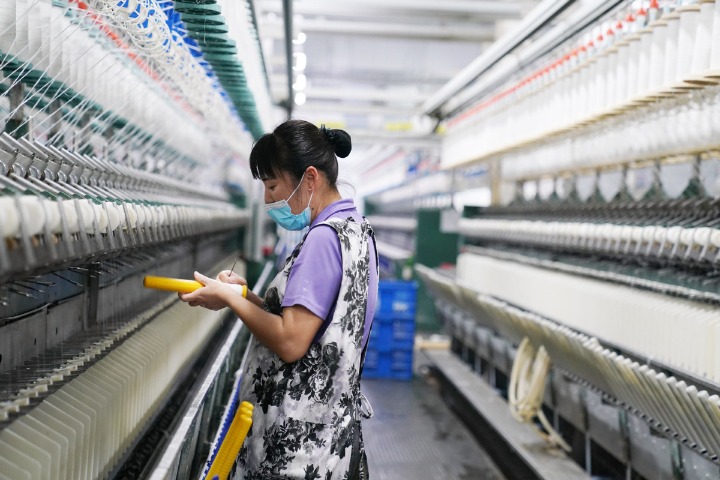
(162, 216)
(86, 214)
(154, 217)
(670, 51)
(33, 214)
(114, 214)
(101, 218)
(688, 33)
(577, 94)
(132, 215)
(71, 216)
(150, 216)
(22, 11)
(715, 238)
(7, 25)
(140, 215)
(9, 216)
(52, 216)
(69, 49)
(715, 49)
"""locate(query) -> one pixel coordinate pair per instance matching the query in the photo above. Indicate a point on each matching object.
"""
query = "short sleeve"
(315, 277)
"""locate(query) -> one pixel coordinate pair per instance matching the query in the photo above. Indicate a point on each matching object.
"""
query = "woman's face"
(281, 188)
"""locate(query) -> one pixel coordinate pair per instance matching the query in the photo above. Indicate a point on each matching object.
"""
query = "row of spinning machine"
(607, 255)
(623, 295)
(120, 129)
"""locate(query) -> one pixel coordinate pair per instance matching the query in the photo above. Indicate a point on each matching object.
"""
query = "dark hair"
(296, 145)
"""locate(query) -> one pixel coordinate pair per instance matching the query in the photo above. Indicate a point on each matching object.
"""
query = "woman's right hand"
(231, 277)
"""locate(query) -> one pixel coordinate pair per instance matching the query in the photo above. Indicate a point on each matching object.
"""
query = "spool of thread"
(33, 214)
(715, 43)
(672, 41)
(102, 219)
(182, 285)
(689, 26)
(9, 217)
(7, 25)
(115, 215)
(642, 83)
(52, 215)
(657, 55)
(703, 39)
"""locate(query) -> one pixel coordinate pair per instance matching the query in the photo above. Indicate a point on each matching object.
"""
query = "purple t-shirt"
(315, 277)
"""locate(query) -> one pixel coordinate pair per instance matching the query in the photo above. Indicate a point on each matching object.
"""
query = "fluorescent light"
(300, 38)
(300, 98)
(300, 82)
(300, 61)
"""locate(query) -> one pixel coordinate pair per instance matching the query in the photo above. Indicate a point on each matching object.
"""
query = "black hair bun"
(339, 139)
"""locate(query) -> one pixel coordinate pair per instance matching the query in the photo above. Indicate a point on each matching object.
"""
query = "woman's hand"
(231, 277)
(212, 296)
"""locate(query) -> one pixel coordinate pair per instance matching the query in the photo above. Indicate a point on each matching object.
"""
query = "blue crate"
(397, 334)
(403, 335)
(395, 365)
(396, 299)
(372, 358)
(380, 337)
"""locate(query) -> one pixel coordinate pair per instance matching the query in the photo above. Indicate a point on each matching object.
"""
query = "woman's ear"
(312, 176)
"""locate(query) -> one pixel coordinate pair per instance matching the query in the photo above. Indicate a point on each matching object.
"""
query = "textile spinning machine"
(126, 126)
(623, 295)
(602, 248)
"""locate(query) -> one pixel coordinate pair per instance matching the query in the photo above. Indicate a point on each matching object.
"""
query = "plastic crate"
(397, 334)
(403, 335)
(395, 365)
(396, 299)
(371, 358)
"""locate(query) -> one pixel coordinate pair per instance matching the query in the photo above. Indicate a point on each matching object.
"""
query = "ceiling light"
(300, 61)
(300, 82)
(300, 98)
(301, 37)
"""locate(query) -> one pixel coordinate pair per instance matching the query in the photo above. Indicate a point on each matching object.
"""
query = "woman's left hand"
(211, 296)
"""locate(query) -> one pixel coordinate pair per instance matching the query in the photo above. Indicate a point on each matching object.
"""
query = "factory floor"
(415, 435)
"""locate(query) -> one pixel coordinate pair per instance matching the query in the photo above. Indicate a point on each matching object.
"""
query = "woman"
(303, 373)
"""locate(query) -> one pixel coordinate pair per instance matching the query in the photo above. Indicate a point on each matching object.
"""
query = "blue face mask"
(283, 216)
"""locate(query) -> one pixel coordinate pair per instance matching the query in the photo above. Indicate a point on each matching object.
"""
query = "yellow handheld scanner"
(181, 285)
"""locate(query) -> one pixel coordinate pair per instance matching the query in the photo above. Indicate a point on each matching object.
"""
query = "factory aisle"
(414, 435)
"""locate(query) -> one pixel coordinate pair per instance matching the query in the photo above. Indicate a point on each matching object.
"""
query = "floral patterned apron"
(306, 422)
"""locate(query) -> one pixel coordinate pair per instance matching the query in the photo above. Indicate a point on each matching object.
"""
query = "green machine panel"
(433, 248)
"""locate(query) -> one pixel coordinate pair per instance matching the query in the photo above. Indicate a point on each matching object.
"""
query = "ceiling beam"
(401, 140)
(395, 96)
(487, 9)
(339, 108)
(438, 31)
(431, 81)
(543, 13)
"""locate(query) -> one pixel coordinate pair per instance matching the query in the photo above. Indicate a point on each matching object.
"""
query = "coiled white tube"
(527, 387)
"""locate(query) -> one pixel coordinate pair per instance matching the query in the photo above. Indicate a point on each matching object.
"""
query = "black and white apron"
(306, 422)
